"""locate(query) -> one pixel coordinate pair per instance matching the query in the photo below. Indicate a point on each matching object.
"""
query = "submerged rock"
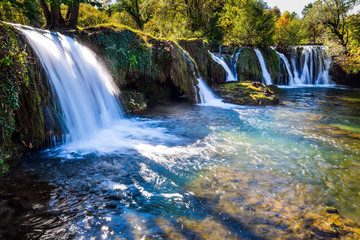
(247, 93)
(264, 205)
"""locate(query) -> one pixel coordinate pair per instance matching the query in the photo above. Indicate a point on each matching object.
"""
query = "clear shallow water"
(168, 173)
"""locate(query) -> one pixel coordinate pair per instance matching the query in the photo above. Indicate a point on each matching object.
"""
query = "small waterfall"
(266, 75)
(220, 60)
(233, 61)
(282, 57)
(207, 97)
(86, 91)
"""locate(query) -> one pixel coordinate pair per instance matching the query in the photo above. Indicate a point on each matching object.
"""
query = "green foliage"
(141, 11)
(91, 16)
(288, 30)
(13, 73)
(248, 22)
(4, 167)
(126, 51)
(186, 19)
(20, 11)
(332, 15)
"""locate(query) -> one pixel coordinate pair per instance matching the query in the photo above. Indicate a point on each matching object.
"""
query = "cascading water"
(207, 97)
(292, 80)
(86, 91)
(230, 76)
(233, 62)
(311, 66)
(266, 75)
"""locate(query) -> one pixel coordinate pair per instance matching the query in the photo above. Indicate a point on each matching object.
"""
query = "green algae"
(346, 128)
(247, 93)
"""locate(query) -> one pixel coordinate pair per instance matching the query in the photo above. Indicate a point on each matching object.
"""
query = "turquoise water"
(178, 180)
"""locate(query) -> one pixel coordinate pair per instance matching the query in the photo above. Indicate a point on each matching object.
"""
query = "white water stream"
(220, 60)
(265, 73)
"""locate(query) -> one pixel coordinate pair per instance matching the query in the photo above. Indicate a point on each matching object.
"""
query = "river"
(184, 171)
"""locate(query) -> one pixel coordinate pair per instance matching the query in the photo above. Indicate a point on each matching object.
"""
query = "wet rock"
(213, 72)
(247, 93)
(265, 205)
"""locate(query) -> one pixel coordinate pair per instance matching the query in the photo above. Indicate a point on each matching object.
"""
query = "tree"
(248, 22)
(141, 11)
(332, 14)
(287, 31)
(18, 11)
(52, 12)
(312, 25)
(91, 16)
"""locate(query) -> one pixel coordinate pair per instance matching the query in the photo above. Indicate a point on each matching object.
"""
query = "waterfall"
(85, 88)
(220, 60)
(266, 75)
(292, 80)
(308, 67)
(233, 61)
(207, 97)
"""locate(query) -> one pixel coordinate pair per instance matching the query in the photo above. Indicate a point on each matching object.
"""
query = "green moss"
(4, 167)
(12, 75)
(272, 62)
(125, 50)
(143, 63)
(346, 128)
(248, 66)
(248, 93)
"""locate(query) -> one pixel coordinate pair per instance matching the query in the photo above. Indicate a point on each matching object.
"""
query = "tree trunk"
(73, 15)
(56, 18)
(47, 13)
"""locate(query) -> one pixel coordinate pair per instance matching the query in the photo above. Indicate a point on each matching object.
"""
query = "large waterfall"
(309, 66)
(85, 89)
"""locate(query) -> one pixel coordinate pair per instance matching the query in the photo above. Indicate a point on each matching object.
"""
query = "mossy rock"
(247, 93)
(134, 101)
(156, 68)
(272, 62)
(248, 66)
(213, 72)
(30, 97)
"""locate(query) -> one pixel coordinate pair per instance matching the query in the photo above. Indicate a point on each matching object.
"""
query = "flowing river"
(190, 172)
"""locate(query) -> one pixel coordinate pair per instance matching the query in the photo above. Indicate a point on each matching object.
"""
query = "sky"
(289, 5)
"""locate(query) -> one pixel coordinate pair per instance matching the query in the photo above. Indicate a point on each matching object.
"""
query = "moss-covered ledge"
(155, 68)
(247, 93)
